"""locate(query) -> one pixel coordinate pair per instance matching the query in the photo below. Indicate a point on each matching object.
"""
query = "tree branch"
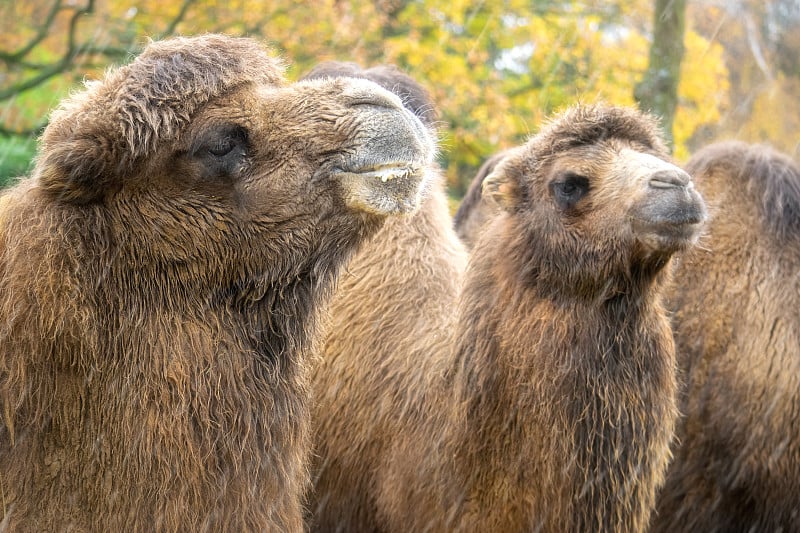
(43, 72)
(48, 71)
(170, 29)
(17, 56)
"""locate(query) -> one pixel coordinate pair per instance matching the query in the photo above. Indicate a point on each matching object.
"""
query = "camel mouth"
(674, 216)
(387, 188)
(669, 236)
(386, 172)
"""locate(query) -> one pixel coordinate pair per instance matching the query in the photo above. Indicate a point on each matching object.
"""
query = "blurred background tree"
(496, 68)
(657, 92)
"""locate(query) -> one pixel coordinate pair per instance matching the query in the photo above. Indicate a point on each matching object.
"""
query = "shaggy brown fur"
(385, 355)
(161, 275)
(473, 212)
(551, 405)
(736, 303)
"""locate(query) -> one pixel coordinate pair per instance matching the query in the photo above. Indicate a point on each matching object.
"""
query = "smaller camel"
(548, 401)
(162, 277)
(737, 330)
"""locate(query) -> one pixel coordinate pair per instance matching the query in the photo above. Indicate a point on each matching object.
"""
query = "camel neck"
(573, 378)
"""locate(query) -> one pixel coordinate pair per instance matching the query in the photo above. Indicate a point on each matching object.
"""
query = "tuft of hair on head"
(97, 137)
(581, 125)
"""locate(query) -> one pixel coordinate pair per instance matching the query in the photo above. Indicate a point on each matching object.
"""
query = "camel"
(163, 278)
(737, 463)
(419, 251)
(541, 394)
(473, 212)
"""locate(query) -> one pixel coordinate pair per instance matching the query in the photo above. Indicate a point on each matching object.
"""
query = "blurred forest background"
(495, 68)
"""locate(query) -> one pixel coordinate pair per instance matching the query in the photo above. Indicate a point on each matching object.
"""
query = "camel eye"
(221, 146)
(569, 189)
(225, 140)
(222, 150)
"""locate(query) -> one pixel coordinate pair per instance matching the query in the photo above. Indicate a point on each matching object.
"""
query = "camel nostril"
(354, 92)
(373, 101)
(667, 179)
(366, 93)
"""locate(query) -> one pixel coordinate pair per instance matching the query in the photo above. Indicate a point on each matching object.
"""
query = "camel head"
(596, 194)
(202, 152)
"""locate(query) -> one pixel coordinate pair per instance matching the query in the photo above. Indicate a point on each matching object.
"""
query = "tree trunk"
(658, 90)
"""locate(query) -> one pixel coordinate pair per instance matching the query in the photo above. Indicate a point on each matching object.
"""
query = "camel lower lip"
(386, 172)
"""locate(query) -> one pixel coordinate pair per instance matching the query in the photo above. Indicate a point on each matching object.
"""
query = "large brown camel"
(737, 330)
(162, 273)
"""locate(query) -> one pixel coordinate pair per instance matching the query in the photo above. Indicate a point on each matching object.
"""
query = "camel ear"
(77, 170)
(499, 188)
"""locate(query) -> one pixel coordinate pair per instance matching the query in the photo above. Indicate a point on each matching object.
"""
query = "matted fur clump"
(547, 402)
(161, 277)
(737, 329)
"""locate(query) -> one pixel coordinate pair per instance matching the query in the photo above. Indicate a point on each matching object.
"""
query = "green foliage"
(16, 154)
(495, 69)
